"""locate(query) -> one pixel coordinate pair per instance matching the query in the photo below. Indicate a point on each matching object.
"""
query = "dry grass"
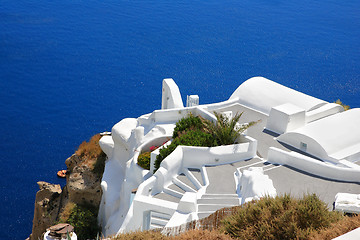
(346, 107)
(92, 156)
(281, 212)
(188, 235)
(90, 149)
(336, 229)
(280, 218)
(140, 235)
(201, 234)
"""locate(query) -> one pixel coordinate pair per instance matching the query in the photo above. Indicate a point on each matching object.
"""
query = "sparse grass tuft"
(92, 155)
(346, 107)
(141, 235)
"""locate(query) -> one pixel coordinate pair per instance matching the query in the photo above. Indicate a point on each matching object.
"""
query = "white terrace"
(302, 145)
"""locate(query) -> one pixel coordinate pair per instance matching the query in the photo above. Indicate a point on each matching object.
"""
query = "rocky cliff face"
(47, 204)
(83, 180)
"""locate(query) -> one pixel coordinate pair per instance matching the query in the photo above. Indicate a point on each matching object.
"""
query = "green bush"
(84, 220)
(197, 131)
(190, 138)
(279, 218)
(225, 130)
(187, 123)
(144, 160)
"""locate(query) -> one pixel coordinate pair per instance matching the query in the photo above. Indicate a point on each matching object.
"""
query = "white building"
(302, 145)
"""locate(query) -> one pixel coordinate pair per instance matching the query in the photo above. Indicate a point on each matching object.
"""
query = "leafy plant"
(197, 131)
(226, 131)
(84, 220)
(189, 138)
(144, 160)
(187, 123)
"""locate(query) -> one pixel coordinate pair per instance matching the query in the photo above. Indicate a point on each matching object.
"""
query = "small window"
(303, 146)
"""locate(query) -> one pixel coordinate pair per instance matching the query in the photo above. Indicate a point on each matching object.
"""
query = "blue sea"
(70, 69)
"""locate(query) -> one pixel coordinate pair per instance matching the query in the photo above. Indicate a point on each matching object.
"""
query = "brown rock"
(47, 203)
(82, 187)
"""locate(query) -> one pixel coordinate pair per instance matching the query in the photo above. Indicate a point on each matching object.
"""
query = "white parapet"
(171, 97)
(313, 166)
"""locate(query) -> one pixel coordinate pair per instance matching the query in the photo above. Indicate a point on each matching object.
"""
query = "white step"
(212, 207)
(155, 226)
(182, 185)
(173, 192)
(192, 178)
(159, 215)
(207, 195)
(184, 179)
(158, 221)
(204, 214)
(230, 201)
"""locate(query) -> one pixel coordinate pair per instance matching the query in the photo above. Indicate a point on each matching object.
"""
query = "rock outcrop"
(47, 204)
(82, 187)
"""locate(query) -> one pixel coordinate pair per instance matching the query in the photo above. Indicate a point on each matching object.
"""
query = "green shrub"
(84, 220)
(187, 123)
(279, 218)
(190, 138)
(144, 160)
(197, 131)
(225, 130)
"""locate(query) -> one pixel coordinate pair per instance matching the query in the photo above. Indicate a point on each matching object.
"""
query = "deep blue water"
(70, 69)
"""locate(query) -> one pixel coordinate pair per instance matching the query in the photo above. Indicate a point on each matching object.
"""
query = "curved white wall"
(295, 140)
(313, 166)
(262, 94)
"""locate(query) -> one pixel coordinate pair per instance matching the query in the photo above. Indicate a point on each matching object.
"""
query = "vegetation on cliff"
(92, 155)
(78, 202)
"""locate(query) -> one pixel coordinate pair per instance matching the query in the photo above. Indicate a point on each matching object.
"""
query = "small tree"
(225, 130)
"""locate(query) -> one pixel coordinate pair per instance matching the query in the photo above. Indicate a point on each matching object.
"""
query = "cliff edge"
(81, 194)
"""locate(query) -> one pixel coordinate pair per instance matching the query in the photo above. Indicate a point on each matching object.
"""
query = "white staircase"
(209, 203)
(158, 220)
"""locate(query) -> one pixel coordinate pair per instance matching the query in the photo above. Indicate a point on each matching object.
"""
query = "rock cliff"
(83, 178)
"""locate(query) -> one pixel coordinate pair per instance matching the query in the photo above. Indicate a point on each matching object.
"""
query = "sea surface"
(72, 68)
